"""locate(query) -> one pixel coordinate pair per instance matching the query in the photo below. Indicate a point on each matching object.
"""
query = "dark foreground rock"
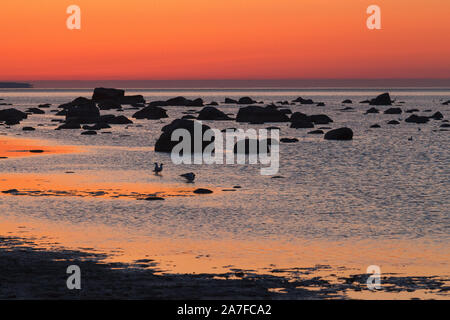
(12, 116)
(339, 134)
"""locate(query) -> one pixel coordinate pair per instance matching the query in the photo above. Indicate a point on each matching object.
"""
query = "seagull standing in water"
(158, 168)
(190, 177)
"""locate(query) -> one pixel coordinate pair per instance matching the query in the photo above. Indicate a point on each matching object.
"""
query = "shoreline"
(29, 271)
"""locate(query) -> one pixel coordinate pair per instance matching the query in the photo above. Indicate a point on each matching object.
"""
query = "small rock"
(89, 133)
(202, 191)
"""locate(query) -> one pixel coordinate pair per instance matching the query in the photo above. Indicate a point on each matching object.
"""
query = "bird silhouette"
(158, 169)
(190, 177)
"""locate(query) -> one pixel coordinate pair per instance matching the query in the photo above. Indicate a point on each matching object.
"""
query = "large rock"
(12, 116)
(211, 113)
(107, 94)
(381, 100)
(151, 113)
(257, 114)
(339, 134)
(165, 143)
(83, 113)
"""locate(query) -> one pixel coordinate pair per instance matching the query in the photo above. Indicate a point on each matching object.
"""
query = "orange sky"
(224, 39)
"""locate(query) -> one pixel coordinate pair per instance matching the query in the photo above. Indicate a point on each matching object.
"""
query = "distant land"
(244, 84)
(15, 85)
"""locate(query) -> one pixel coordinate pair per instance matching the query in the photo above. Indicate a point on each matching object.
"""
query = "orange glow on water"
(15, 147)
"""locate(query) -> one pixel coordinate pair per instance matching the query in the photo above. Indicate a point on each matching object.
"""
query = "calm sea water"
(379, 191)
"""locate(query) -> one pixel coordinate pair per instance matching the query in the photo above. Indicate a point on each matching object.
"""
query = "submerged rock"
(154, 198)
(375, 126)
(339, 134)
(347, 101)
(202, 191)
(393, 122)
(316, 132)
(89, 133)
(28, 129)
(288, 140)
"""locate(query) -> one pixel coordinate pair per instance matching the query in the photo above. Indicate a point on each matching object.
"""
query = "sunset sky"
(224, 39)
